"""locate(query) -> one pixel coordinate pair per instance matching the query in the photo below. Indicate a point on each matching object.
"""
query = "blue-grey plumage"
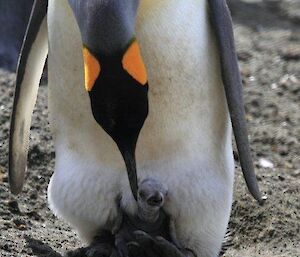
(105, 26)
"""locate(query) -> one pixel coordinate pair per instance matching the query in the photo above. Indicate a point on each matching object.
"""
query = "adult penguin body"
(185, 141)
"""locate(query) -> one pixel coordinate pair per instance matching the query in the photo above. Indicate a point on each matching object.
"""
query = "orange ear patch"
(133, 63)
(92, 69)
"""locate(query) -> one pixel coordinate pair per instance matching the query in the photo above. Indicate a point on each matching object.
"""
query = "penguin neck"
(149, 215)
(106, 26)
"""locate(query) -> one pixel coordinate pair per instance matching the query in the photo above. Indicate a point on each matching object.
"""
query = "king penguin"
(102, 54)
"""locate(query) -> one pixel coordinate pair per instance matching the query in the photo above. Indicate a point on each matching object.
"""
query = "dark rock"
(14, 207)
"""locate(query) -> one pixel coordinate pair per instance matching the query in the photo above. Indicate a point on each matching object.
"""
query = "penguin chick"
(150, 221)
(151, 229)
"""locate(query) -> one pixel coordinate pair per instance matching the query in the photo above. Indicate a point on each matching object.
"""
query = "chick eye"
(142, 194)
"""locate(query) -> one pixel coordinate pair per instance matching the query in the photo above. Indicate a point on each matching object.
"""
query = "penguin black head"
(115, 74)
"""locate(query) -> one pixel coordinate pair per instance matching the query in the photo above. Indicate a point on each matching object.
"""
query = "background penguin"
(186, 139)
(14, 15)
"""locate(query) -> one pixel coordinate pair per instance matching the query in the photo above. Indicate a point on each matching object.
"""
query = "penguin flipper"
(222, 25)
(30, 67)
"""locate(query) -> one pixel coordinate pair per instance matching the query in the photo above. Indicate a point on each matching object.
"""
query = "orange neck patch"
(133, 63)
(92, 69)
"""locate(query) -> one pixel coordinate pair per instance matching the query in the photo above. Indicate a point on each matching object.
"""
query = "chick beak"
(155, 200)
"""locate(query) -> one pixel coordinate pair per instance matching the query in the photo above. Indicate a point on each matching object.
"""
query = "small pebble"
(14, 207)
(290, 54)
(20, 224)
(296, 173)
(264, 163)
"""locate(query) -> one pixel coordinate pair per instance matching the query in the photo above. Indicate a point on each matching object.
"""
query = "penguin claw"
(76, 253)
(133, 246)
(132, 243)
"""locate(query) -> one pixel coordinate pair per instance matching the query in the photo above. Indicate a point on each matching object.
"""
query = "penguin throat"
(149, 215)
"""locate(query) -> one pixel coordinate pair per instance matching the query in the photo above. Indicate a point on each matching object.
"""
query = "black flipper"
(30, 67)
(222, 25)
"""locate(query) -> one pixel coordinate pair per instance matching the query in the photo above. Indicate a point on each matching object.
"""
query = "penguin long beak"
(129, 158)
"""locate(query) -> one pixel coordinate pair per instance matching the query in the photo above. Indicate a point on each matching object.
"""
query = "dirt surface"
(268, 43)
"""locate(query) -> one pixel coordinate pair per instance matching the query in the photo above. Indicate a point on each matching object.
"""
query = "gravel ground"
(268, 43)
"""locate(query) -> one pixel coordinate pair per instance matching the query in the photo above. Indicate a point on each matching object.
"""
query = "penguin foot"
(81, 252)
(154, 245)
(101, 246)
(100, 250)
(41, 249)
(94, 250)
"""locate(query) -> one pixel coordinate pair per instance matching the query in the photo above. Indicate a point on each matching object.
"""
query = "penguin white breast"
(186, 140)
(188, 117)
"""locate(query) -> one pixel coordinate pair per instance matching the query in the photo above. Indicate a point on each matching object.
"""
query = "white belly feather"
(185, 142)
